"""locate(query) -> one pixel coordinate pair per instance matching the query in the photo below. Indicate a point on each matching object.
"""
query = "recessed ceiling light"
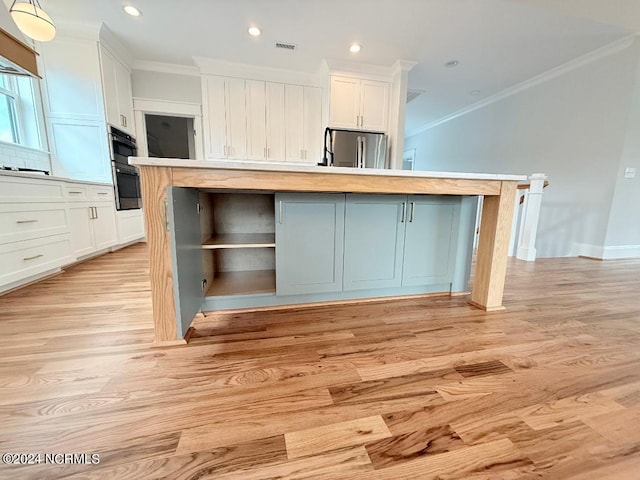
(254, 31)
(355, 48)
(131, 10)
(452, 63)
(475, 92)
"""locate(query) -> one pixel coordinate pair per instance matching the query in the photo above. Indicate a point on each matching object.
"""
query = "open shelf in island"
(248, 282)
(240, 240)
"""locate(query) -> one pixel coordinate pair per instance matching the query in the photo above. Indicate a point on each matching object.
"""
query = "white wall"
(166, 86)
(623, 232)
(571, 127)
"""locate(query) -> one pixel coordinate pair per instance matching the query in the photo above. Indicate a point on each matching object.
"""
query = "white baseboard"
(606, 253)
(621, 251)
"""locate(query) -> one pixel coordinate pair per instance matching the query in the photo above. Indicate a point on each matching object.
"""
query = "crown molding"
(571, 65)
(347, 68)
(80, 30)
(403, 66)
(160, 67)
(225, 68)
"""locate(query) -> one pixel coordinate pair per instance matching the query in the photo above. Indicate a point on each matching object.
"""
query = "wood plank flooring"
(413, 389)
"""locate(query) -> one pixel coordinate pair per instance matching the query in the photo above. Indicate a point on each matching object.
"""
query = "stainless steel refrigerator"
(349, 148)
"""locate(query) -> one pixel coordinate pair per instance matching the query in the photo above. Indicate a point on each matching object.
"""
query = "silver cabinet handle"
(265, 152)
(404, 212)
(75, 192)
(125, 120)
(280, 213)
(32, 258)
(103, 193)
(95, 209)
(26, 221)
(413, 207)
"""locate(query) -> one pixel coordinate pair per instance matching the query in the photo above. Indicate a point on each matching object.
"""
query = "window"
(19, 114)
(8, 121)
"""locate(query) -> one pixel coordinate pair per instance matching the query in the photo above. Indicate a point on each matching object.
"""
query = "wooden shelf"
(241, 240)
(243, 283)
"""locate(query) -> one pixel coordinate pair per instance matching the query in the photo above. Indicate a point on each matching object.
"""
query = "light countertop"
(307, 168)
(50, 178)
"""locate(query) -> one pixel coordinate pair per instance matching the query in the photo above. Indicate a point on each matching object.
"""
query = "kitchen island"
(226, 235)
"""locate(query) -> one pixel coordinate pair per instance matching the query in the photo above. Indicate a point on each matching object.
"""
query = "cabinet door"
(312, 135)
(374, 105)
(294, 107)
(81, 230)
(309, 243)
(430, 240)
(125, 100)
(275, 122)
(256, 120)
(374, 241)
(344, 108)
(215, 117)
(81, 150)
(186, 255)
(110, 87)
(236, 118)
(105, 233)
(72, 80)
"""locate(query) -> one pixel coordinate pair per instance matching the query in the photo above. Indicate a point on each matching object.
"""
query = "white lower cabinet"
(130, 226)
(46, 224)
(93, 228)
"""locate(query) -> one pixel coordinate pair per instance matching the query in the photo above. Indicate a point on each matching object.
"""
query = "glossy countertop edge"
(50, 178)
(306, 168)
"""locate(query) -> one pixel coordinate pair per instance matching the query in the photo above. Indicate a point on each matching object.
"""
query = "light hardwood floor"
(411, 389)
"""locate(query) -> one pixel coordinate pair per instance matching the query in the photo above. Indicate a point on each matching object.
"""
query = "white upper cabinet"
(72, 86)
(344, 110)
(262, 121)
(304, 123)
(295, 123)
(312, 129)
(358, 104)
(116, 81)
(225, 108)
(256, 120)
(236, 115)
(276, 133)
(374, 105)
(215, 117)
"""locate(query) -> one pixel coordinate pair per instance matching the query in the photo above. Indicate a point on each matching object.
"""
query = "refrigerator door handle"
(364, 151)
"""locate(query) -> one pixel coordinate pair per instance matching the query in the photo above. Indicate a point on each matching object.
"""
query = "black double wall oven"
(126, 177)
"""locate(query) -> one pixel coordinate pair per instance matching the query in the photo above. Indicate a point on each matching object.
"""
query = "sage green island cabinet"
(309, 243)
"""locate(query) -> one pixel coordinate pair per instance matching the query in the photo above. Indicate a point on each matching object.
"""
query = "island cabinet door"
(186, 252)
(374, 241)
(309, 243)
(430, 240)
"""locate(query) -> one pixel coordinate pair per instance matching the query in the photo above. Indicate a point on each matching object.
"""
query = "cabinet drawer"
(76, 193)
(22, 190)
(19, 222)
(103, 193)
(24, 259)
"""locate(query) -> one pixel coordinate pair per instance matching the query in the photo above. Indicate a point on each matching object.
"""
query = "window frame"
(11, 91)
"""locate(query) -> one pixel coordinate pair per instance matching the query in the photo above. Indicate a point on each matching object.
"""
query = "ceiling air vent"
(412, 94)
(286, 46)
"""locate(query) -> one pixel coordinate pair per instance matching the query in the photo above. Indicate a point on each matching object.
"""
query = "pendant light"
(32, 20)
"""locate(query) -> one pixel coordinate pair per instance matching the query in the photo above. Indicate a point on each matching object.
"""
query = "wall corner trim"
(578, 62)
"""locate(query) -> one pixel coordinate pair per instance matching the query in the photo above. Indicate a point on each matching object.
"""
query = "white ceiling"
(499, 43)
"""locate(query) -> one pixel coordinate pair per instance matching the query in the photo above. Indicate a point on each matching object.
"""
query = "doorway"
(170, 137)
